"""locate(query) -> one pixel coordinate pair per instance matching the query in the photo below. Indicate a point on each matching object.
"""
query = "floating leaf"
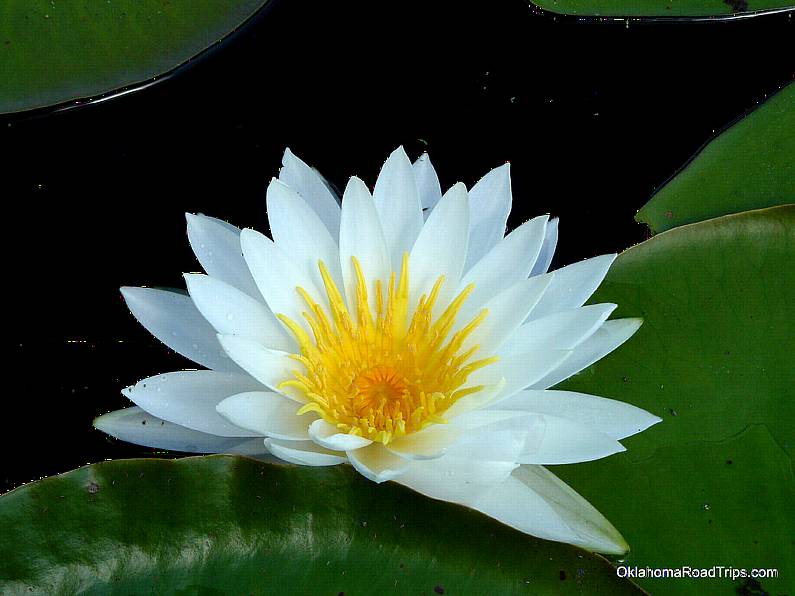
(230, 525)
(53, 52)
(660, 8)
(748, 166)
(713, 483)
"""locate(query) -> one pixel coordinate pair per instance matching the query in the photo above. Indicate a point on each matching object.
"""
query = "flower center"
(382, 375)
(382, 382)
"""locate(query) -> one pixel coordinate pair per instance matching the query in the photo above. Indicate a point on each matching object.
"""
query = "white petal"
(535, 501)
(375, 463)
(573, 285)
(487, 420)
(428, 186)
(300, 233)
(494, 446)
(476, 401)
(519, 370)
(329, 186)
(231, 312)
(563, 330)
(328, 436)
(547, 249)
(173, 319)
(506, 264)
(361, 236)
(546, 439)
(613, 418)
(606, 339)
(456, 479)
(429, 443)
(217, 247)
(506, 311)
(489, 203)
(277, 276)
(188, 398)
(266, 413)
(312, 188)
(553, 440)
(398, 204)
(269, 367)
(304, 453)
(135, 425)
(441, 248)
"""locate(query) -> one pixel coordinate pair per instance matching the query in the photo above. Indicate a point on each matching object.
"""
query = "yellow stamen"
(383, 376)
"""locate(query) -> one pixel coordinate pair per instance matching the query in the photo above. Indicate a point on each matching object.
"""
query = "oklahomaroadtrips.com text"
(718, 571)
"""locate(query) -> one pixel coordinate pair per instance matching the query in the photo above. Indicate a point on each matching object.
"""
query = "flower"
(399, 332)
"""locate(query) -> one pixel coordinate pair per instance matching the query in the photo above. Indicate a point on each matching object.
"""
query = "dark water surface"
(592, 116)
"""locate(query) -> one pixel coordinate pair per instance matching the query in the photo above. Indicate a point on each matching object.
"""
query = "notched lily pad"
(660, 8)
(231, 525)
(725, 503)
(750, 165)
(713, 360)
(57, 51)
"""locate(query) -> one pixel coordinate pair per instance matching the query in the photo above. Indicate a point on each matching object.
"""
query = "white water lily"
(400, 332)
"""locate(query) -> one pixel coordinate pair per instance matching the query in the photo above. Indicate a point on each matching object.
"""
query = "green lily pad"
(713, 483)
(54, 51)
(750, 165)
(231, 525)
(659, 8)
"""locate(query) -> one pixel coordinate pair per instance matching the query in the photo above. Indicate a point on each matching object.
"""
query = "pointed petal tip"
(192, 279)
(276, 184)
(458, 190)
(131, 293)
(247, 236)
(619, 546)
(224, 409)
(287, 156)
(355, 185)
(502, 171)
(197, 219)
(635, 322)
(604, 308)
(103, 423)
